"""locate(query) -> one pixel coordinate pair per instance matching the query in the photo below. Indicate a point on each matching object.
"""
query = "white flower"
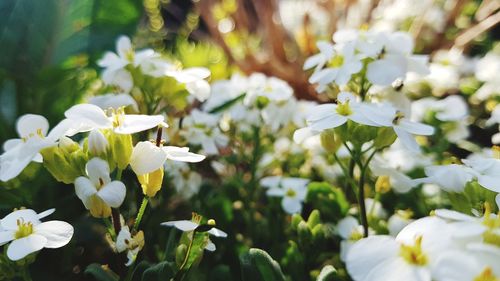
(194, 225)
(293, 191)
(486, 171)
(398, 221)
(403, 126)
(133, 245)
(466, 266)
(28, 234)
(32, 130)
(410, 256)
(351, 231)
(147, 157)
(202, 129)
(114, 101)
(86, 117)
(396, 60)
(186, 181)
(98, 193)
(193, 78)
(451, 178)
(115, 63)
(259, 85)
(342, 63)
(399, 181)
(327, 116)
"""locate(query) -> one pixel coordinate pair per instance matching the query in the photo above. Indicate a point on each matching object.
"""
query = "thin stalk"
(142, 209)
(361, 202)
(115, 213)
(186, 258)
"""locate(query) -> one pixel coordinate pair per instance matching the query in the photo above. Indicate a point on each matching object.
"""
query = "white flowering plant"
(281, 149)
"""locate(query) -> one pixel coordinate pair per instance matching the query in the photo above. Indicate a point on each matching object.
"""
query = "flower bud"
(151, 182)
(329, 142)
(385, 137)
(121, 149)
(97, 143)
(68, 145)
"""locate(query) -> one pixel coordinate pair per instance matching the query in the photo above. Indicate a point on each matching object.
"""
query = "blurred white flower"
(200, 128)
(27, 234)
(132, 244)
(114, 101)
(292, 190)
(399, 220)
(351, 231)
(185, 181)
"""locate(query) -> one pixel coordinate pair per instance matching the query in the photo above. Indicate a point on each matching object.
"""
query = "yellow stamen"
(487, 275)
(414, 254)
(24, 229)
(344, 109)
(291, 193)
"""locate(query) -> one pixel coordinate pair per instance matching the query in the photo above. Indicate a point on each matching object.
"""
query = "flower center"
(486, 275)
(24, 229)
(291, 193)
(336, 62)
(355, 235)
(399, 115)
(414, 254)
(38, 133)
(117, 116)
(344, 109)
(492, 222)
(129, 55)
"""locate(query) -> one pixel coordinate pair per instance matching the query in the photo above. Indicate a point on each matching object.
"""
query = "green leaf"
(101, 272)
(228, 104)
(159, 272)
(257, 265)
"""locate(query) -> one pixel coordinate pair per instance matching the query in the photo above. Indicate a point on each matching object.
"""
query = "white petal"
(490, 182)
(416, 128)
(453, 215)
(114, 101)
(6, 236)
(88, 114)
(98, 171)
(346, 226)
(269, 182)
(30, 123)
(113, 193)
(369, 252)
(291, 205)
(321, 111)
(20, 248)
(332, 121)
(182, 154)
(13, 162)
(396, 270)
(407, 139)
(46, 213)
(27, 215)
(123, 46)
(200, 89)
(84, 188)
(383, 72)
(146, 158)
(217, 232)
(275, 192)
(301, 134)
(137, 123)
(12, 143)
(183, 225)
(58, 233)
(210, 246)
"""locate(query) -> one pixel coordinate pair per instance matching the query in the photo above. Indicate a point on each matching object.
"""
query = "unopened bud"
(328, 141)
(97, 142)
(151, 182)
(68, 145)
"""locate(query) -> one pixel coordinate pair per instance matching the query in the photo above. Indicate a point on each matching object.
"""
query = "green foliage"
(258, 265)
(101, 272)
(159, 272)
(329, 200)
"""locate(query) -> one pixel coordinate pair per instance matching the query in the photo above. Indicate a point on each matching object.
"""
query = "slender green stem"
(186, 258)
(361, 202)
(142, 209)
(119, 173)
(347, 174)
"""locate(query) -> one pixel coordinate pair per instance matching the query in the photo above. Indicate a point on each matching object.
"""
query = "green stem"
(361, 202)
(186, 258)
(142, 209)
(26, 274)
(115, 213)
